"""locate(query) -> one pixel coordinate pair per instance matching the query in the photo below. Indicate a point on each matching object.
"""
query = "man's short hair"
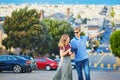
(77, 28)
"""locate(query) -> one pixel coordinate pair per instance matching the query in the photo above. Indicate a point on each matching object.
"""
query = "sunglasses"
(75, 32)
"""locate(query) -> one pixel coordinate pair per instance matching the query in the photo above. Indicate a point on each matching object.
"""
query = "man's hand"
(96, 34)
(102, 31)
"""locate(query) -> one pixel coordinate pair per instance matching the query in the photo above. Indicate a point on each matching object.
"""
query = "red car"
(46, 63)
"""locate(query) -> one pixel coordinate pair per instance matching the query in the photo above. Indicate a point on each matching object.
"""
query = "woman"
(64, 71)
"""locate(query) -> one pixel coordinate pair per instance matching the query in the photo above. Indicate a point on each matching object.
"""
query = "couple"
(76, 46)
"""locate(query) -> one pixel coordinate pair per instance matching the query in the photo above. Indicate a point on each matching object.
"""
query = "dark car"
(14, 63)
(33, 63)
(103, 49)
(73, 63)
(46, 63)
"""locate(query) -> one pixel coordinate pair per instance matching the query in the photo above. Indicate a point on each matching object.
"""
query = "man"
(78, 45)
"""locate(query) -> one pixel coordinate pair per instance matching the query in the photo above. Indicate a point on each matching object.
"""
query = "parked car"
(72, 62)
(33, 63)
(14, 63)
(46, 63)
(58, 61)
(103, 49)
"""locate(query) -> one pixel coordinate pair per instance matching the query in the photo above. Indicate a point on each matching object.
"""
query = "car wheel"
(29, 70)
(47, 68)
(17, 69)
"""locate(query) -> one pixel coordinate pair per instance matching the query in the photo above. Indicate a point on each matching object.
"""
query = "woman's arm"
(63, 53)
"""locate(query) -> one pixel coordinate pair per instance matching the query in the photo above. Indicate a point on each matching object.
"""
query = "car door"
(11, 60)
(42, 63)
(3, 62)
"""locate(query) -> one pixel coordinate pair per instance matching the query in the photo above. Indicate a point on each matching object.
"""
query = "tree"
(82, 34)
(39, 38)
(96, 44)
(113, 23)
(24, 30)
(84, 21)
(55, 29)
(115, 43)
(78, 16)
(112, 13)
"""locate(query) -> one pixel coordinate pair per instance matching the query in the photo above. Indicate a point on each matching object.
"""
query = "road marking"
(100, 59)
(95, 64)
(114, 66)
(108, 65)
(102, 65)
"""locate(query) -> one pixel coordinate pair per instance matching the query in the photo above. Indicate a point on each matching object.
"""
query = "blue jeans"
(83, 65)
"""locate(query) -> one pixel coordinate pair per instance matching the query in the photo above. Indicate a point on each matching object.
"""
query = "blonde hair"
(63, 40)
(77, 28)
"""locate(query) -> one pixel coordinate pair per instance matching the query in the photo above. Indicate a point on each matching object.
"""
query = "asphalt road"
(103, 61)
(47, 75)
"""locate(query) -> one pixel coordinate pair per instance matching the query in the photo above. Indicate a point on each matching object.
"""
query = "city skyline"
(97, 2)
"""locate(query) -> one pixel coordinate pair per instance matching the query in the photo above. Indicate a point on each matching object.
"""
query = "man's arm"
(96, 34)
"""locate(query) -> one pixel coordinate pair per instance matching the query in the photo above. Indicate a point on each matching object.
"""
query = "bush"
(115, 43)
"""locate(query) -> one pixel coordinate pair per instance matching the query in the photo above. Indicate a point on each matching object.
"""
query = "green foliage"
(38, 37)
(84, 21)
(24, 30)
(82, 34)
(55, 29)
(112, 13)
(96, 44)
(113, 23)
(21, 20)
(78, 16)
(115, 43)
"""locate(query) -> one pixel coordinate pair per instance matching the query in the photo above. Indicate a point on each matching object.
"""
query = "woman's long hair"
(63, 40)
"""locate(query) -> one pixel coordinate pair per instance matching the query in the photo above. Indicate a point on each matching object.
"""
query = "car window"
(11, 58)
(57, 60)
(50, 59)
(20, 57)
(36, 60)
(42, 60)
(32, 59)
(3, 58)
(27, 57)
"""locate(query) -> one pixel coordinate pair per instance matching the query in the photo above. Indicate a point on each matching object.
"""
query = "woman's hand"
(69, 50)
(63, 53)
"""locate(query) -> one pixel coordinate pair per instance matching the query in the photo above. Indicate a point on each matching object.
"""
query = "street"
(47, 75)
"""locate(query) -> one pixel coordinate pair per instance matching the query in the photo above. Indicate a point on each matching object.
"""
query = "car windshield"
(50, 59)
